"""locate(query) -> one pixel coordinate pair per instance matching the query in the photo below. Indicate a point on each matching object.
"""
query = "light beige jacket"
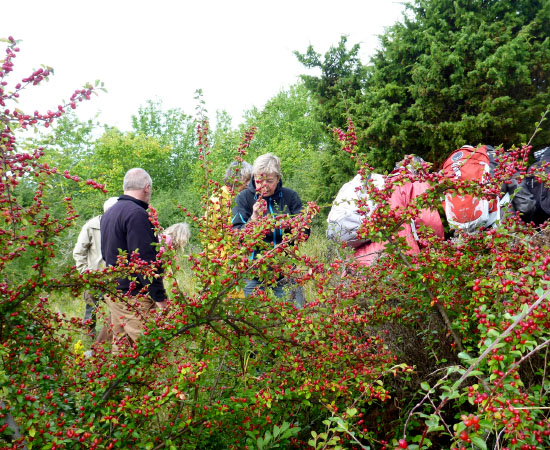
(87, 251)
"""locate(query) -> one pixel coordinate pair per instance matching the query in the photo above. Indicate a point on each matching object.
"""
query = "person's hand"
(261, 189)
(158, 311)
(258, 209)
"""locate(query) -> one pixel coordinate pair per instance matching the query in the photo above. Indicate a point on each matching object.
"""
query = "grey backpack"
(344, 218)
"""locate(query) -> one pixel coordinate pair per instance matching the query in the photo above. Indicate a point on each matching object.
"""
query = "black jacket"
(126, 226)
(522, 199)
(283, 201)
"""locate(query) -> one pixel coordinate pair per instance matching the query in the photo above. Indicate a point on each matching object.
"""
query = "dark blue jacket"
(283, 201)
(126, 226)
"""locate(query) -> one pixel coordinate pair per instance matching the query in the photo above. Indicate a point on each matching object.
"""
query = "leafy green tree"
(451, 73)
(288, 127)
(116, 152)
(70, 142)
(172, 129)
(341, 82)
(337, 92)
(457, 72)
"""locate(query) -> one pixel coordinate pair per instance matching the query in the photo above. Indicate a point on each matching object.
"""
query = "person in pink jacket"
(401, 197)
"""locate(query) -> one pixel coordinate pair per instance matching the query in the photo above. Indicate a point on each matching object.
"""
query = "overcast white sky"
(239, 52)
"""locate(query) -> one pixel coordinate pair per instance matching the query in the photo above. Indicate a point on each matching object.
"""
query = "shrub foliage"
(444, 349)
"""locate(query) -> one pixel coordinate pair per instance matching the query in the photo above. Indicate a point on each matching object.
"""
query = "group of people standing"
(253, 191)
(125, 228)
(465, 212)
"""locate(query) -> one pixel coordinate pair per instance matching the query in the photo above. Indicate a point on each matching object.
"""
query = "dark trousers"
(90, 316)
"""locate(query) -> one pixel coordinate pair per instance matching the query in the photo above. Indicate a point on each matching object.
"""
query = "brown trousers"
(128, 318)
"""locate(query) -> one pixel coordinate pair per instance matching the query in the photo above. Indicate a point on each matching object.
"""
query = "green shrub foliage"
(446, 348)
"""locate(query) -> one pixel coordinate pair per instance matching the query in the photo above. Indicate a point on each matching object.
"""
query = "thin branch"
(524, 357)
(544, 374)
(500, 338)
(537, 127)
(420, 403)
(114, 384)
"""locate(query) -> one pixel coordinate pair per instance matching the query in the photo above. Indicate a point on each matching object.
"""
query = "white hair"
(136, 179)
(267, 164)
(241, 170)
(180, 234)
(109, 202)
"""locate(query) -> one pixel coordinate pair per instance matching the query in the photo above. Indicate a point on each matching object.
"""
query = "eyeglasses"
(267, 180)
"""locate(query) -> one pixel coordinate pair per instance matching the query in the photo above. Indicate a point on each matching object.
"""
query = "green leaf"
(494, 333)
(290, 432)
(425, 386)
(486, 424)
(449, 396)
(251, 434)
(458, 427)
(475, 373)
(479, 442)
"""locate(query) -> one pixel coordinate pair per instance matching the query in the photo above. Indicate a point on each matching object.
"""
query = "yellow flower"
(78, 348)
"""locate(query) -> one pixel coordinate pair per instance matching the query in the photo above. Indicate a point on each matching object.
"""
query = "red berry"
(403, 443)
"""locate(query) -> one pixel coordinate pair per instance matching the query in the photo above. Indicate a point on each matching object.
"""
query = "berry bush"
(447, 348)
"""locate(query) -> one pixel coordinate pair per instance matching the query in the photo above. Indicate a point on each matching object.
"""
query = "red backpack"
(466, 212)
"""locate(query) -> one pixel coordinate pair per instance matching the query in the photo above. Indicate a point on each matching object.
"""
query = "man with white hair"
(126, 227)
(87, 256)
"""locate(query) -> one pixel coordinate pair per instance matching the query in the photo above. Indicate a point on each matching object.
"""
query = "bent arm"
(81, 249)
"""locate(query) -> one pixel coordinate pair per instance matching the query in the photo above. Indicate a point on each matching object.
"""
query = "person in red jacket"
(401, 197)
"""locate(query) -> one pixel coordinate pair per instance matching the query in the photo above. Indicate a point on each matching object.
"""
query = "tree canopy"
(451, 73)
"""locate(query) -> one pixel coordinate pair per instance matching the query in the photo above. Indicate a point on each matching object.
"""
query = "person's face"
(266, 184)
(242, 184)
